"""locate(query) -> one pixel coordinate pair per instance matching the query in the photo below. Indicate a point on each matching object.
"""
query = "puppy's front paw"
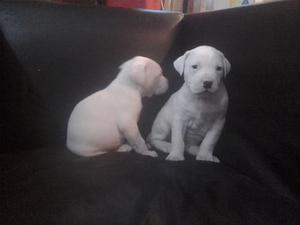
(124, 148)
(175, 157)
(207, 157)
(148, 145)
(150, 153)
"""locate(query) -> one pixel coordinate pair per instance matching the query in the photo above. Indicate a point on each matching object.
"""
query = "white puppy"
(194, 116)
(107, 120)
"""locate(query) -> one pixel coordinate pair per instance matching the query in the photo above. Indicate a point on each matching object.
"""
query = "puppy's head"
(146, 74)
(203, 68)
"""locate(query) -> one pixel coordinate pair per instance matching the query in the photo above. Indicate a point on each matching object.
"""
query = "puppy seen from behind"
(107, 120)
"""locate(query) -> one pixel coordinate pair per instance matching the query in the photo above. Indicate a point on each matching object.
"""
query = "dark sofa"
(52, 56)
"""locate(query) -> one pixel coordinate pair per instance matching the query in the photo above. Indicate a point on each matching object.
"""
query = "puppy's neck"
(122, 81)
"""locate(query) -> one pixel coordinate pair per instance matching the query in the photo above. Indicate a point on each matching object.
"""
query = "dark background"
(53, 56)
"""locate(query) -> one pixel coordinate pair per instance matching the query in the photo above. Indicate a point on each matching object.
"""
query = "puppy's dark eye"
(195, 66)
(219, 68)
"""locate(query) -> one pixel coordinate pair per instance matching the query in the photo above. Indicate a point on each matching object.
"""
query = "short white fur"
(194, 116)
(107, 120)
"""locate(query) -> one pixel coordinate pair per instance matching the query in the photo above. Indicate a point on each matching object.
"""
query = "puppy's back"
(91, 127)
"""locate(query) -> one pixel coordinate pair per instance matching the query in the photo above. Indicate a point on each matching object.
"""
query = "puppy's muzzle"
(207, 84)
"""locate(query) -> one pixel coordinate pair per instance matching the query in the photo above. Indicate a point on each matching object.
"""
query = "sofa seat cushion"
(53, 186)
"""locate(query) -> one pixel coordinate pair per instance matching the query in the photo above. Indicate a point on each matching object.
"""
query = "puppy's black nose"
(207, 84)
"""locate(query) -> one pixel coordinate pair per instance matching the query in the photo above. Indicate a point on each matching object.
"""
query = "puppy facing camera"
(194, 116)
(107, 120)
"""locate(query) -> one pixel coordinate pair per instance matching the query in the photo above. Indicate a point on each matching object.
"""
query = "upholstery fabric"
(52, 56)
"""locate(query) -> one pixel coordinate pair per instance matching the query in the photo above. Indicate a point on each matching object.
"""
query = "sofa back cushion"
(261, 135)
(56, 55)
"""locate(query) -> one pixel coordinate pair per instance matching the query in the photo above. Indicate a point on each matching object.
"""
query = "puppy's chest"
(198, 124)
(196, 127)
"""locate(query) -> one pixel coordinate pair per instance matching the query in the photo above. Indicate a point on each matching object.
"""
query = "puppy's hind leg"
(163, 146)
(158, 137)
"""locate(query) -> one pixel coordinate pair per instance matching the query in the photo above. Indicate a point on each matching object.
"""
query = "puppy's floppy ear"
(134, 68)
(152, 71)
(227, 66)
(138, 70)
(179, 63)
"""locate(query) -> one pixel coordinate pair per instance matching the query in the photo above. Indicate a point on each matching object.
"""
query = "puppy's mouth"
(202, 91)
(205, 93)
